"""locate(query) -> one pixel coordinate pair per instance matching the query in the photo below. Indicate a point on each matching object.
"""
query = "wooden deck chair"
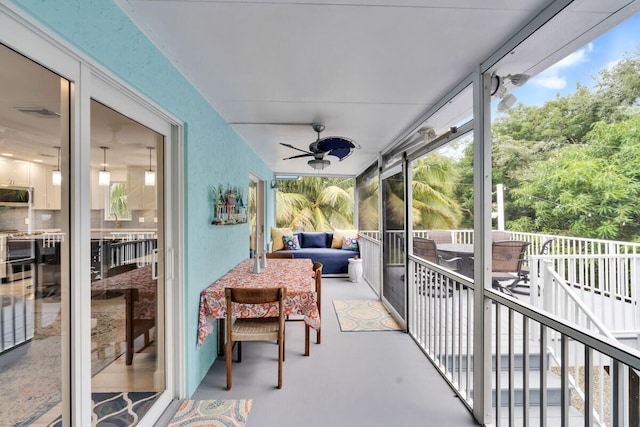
(254, 329)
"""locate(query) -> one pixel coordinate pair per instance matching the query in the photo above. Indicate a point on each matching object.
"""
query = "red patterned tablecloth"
(294, 274)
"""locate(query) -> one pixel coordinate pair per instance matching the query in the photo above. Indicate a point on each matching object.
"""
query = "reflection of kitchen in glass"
(126, 238)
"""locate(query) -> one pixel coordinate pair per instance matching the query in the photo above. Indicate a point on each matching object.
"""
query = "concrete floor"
(351, 379)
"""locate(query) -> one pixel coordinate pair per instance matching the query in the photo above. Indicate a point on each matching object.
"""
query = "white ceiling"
(367, 70)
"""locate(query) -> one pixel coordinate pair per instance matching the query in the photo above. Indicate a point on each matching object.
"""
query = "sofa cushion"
(314, 240)
(276, 237)
(334, 261)
(338, 237)
(291, 243)
(350, 243)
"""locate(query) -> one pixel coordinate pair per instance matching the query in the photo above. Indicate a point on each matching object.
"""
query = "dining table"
(462, 250)
(295, 274)
(139, 287)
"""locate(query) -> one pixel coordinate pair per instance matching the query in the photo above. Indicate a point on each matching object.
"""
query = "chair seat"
(255, 329)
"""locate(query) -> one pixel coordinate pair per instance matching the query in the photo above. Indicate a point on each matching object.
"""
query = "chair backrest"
(317, 266)
(254, 295)
(114, 271)
(507, 255)
(426, 249)
(279, 255)
(545, 246)
(497, 235)
(440, 236)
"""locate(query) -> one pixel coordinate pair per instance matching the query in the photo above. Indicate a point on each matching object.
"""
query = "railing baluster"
(512, 392)
(565, 397)
(525, 370)
(588, 387)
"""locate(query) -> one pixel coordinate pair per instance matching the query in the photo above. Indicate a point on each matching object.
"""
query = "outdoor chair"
(441, 236)
(525, 270)
(497, 235)
(428, 250)
(254, 329)
(507, 257)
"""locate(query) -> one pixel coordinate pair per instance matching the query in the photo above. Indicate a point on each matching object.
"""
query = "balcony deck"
(352, 378)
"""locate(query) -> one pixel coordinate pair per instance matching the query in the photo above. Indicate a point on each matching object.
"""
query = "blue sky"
(582, 65)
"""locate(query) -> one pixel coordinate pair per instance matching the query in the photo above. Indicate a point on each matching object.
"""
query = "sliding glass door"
(34, 242)
(393, 238)
(127, 281)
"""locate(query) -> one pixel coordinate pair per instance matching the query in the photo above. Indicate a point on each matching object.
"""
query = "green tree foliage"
(570, 166)
(433, 186)
(315, 204)
(590, 190)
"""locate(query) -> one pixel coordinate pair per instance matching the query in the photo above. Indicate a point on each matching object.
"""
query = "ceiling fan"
(331, 145)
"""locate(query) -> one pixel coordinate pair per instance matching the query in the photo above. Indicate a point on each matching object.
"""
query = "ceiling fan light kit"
(318, 164)
(333, 146)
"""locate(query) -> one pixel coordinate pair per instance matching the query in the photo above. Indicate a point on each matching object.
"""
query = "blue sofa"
(316, 245)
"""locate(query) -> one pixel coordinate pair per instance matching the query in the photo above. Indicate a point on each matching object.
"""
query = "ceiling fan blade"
(341, 153)
(337, 146)
(298, 156)
(295, 148)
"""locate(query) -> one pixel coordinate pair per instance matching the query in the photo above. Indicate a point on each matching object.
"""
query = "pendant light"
(149, 175)
(104, 176)
(56, 177)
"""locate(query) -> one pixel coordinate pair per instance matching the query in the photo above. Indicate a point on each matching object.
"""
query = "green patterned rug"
(216, 413)
(364, 315)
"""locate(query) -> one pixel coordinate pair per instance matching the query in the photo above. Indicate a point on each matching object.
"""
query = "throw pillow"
(350, 243)
(314, 240)
(338, 235)
(291, 243)
(276, 237)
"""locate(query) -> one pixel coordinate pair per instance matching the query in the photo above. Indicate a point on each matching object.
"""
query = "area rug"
(215, 413)
(364, 315)
(116, 409)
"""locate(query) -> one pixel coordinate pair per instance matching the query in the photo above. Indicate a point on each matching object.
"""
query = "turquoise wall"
(213, 153)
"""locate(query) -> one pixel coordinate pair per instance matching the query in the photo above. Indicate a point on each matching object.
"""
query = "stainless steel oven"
(20, 259)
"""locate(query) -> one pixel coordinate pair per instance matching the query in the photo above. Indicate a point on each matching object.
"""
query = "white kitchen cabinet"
(14, 172)
(37, 176)
(45, 194)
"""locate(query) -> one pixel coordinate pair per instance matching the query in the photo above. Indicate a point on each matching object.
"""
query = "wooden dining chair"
(317, 275)
(254, 329)
(279, 255)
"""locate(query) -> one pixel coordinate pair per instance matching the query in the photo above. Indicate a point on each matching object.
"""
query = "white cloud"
(552, 77)
(550, 82)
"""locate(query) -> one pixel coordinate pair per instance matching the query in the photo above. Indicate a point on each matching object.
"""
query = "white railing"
(607, 285)
(370, 252)
(559, 298)
(524, 381)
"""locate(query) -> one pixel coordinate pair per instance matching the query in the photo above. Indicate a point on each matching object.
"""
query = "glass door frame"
(391, 170)
(107, 91)
(30, 39)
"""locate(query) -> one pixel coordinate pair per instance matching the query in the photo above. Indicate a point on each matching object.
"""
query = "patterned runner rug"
(212, 413)
(364, 315)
